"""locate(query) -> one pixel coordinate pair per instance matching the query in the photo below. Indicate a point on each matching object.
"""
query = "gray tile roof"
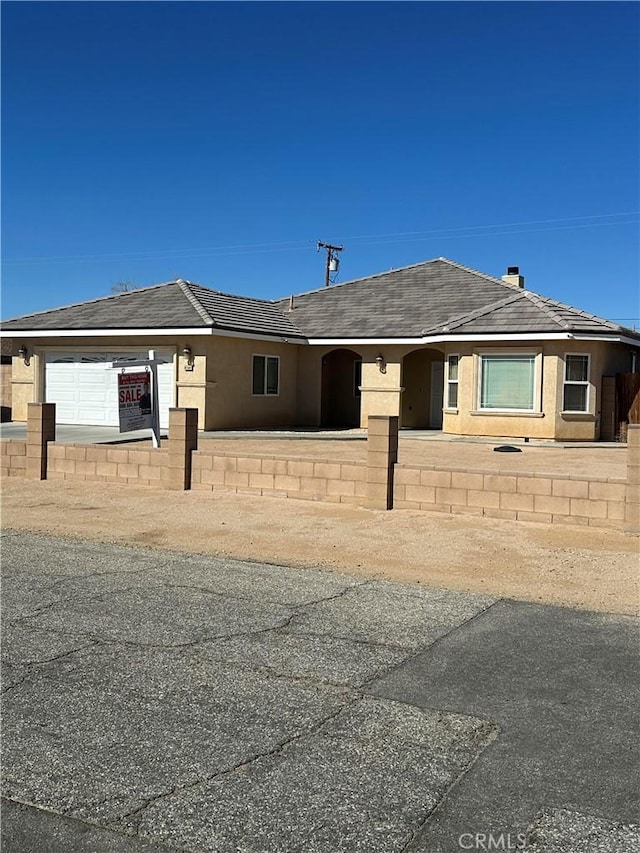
(526, 312)
(242, 314)
(396, 304)
(429, 299)
(432, 298)
(148, 307)
(174, 305)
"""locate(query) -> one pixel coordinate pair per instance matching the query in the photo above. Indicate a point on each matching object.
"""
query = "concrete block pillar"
(183, 440)
(632, 507)
(382, 455)
(41, 428)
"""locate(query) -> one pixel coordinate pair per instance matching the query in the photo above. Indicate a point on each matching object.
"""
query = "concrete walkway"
(157, 701)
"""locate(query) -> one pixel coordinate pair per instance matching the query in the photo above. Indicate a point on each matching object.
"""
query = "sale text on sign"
(134, 401)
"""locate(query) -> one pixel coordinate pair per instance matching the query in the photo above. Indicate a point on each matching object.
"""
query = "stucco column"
(41, 428)
(183, 439)
(382, 455)
(632, 508)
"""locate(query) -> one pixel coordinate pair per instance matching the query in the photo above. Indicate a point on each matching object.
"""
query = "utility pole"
(333, 261)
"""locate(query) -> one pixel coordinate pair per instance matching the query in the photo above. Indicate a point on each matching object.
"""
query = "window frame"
(450, 381)
(265, 392)
(536, 355)
(582, 382)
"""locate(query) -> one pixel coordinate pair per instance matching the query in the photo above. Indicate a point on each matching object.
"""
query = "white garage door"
(85, 389)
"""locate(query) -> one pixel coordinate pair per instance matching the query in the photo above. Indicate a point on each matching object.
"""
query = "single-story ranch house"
(436, 343)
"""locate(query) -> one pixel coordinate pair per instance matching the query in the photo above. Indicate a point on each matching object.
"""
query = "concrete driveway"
(157, 701)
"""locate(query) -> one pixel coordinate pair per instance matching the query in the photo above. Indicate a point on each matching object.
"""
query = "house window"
(507, 382)
(575, 396)
(266, 374)
(357, 377)
(453, 363)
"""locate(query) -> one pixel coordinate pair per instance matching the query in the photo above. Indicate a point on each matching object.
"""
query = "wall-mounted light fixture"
(382, 365)
(187, 354)
(23, 352)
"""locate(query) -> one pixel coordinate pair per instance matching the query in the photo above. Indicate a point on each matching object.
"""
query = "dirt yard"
(578, 567)
(595, 461)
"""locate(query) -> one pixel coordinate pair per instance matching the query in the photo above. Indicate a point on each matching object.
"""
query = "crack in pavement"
(74, 599)
(135, 821)
(374, 644)
(98, 639)
(298, 609)
(494, 733)
(88, 825)
(30, 663)
(272, 672)
(432, 812)
(416, 652)
(70, 578)
(13, 686)
(30, 666)
(278, 749)
(265, 598)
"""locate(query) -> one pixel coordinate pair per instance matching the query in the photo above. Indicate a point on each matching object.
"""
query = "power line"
(141, 255)
(298, 245)
(496, 233)
(500, 225)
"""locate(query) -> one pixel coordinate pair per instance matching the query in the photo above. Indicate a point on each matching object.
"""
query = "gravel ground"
(585, 568)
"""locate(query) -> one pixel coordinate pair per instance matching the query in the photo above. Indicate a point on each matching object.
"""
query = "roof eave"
(513, 337)
(154, 332)
(101, 333)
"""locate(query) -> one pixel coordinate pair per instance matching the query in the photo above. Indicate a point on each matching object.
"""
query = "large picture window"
(266, 374)
(507, 382)
(575, 397)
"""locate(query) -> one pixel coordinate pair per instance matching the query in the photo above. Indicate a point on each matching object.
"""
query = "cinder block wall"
(304, 479)
(632, 509)
(107, 464)
(13, 458)
(544, 498)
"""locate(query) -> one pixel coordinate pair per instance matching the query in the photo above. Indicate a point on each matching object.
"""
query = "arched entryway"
(423, 383)
(341, 380)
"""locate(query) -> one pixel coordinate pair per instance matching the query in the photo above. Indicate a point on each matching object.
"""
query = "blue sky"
(218, 142)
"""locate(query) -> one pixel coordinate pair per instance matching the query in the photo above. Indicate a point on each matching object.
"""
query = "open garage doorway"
(423, 383)
(341, 380)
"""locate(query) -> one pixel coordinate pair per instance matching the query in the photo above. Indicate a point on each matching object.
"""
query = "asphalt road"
(157, 701)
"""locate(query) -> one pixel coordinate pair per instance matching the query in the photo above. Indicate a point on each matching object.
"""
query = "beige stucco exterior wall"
(230, 402)
(550, 422)
(191, 377)
(467, 420)
(220, 383)
(381, 391)
(23, 385)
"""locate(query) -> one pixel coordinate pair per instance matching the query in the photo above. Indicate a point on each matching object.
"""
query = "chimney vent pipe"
(513, 277)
